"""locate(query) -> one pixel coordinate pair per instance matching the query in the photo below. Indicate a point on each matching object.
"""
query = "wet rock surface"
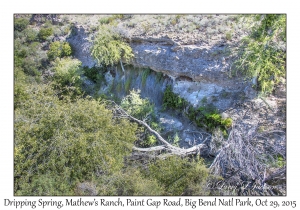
(199, 73)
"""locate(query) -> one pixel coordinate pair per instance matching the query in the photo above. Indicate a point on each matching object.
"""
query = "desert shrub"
(108, 47)
(20, 24)
(44, 185)
(228, 35)
(31, 66)
(110, 19)
(59, 50)
(54, 50)
(20, 94)
(129, 183)
(44, 33)
(66, 49)
(136, 106)
(261, 56)
(179, 176)
(30, 34)
(67, 71)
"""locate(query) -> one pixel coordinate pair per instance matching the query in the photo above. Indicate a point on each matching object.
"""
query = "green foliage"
(129, 183)
(44, 33)
(127, 85)
(204, 100)
(67, 73)
(26, 57)
(159, 77)
(110, 19)
(20, 93)
(44, 185)
(262, 57)
(20, 24)
(208, 117)
(228, 35)
(176, 19)
(280, 161)
(176, 139)
(145, 75)
(66, 49)
(59, 50)
(108, 48)
(59, 143)
(149, 141)
(136, 106)
(54, 51)
(204, 116)
(96, 74)
(179, 176)
(172, 100)
(30, 34)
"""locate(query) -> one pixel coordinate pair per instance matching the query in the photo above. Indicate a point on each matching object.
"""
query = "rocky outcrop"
(79, 41)
(199, 73)
(195, 62)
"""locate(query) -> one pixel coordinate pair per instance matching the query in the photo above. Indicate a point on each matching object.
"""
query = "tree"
(108, 47)
(59, 143)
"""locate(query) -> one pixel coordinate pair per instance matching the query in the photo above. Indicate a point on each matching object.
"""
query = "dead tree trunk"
(200, 149)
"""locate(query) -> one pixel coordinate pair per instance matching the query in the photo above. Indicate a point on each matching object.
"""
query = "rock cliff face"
(198, 73)
(81, 46)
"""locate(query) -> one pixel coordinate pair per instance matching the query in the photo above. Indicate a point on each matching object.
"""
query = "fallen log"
(200, 149)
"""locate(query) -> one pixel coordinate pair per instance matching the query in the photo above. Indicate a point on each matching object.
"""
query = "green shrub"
(96, 74)
(261, 57)
(59, 143)
(172, 100)
(20, 94)
(149, 141)
(208, 117)
(31, 66)
(110, 19)
(67, 71)
(31, 35)
(204, 116)
(180, 176)
(20, 24)
(27, 57)
(129, 183)
(54, 50)
(66, 49)
(59, 50)
(176, 139)
(136, 106)
(44, 33)
(108, 47)
(228, 35)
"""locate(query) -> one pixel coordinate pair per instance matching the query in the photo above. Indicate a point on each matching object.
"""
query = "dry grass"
(182, 28)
